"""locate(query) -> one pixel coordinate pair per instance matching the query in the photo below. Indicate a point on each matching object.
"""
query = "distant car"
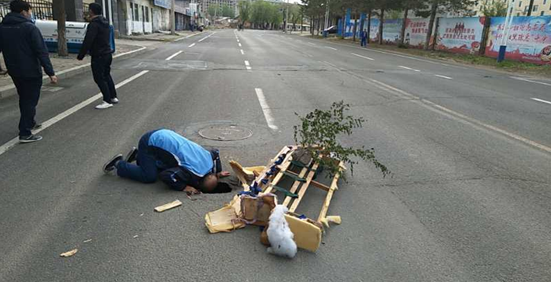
(331, 29)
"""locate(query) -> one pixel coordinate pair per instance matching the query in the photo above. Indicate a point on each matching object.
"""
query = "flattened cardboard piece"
(225, 219)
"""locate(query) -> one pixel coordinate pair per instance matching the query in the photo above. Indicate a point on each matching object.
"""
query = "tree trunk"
(381, 26)
(404, 26)
(355, 26)
(431, 24)
(343, 21)
(61, 38)
(530, 8)
(369, 14)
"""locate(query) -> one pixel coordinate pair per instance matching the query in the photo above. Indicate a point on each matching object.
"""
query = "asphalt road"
(470, 150)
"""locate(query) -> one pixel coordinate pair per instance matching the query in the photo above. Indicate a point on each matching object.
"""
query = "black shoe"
(37, 126)
(131, 156)
(29, 139)
(110, 165)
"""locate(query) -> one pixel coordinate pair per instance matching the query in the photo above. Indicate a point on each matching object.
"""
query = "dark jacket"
(96, 41)
(177, 177)
(25, 52)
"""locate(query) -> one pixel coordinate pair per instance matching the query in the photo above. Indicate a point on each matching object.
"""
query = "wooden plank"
(315, 183)
(304, 187)
(329, 196)
(283, 167)
(295, 186)
(168, 206)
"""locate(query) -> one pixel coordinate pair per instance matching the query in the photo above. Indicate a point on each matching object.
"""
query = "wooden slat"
(329, 196)
(295, 186)
(304, 187)
(315, 183)
(283, 167)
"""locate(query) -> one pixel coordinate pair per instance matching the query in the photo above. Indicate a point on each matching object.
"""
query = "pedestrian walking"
(96, 43)
(25, 55)
(364, 38)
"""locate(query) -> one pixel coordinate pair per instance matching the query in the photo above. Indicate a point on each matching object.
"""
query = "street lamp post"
(505, 33)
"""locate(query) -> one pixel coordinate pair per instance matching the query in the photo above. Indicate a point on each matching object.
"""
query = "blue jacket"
(25, 52)
(188, 155)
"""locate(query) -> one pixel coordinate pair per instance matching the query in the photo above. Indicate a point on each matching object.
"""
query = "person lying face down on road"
(180, 163)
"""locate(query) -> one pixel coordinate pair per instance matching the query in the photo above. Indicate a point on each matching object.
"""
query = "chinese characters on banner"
(416, 32)
(529, 39)
(460, 35)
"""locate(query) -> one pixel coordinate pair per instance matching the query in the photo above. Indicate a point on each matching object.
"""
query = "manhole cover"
(225, 132)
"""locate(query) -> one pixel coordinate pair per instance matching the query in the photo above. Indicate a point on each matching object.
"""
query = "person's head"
(210, 181)
(21, 7)
(94, 10)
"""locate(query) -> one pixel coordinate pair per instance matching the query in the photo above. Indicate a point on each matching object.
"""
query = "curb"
(9, 90)
(182, 37)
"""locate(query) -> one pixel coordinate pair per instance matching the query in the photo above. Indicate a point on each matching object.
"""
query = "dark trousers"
(145, 170)
(28, 90)
(101, 70)
(364, 42)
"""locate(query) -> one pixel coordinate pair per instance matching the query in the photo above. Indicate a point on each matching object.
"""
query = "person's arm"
(91, 33)
(39, 48)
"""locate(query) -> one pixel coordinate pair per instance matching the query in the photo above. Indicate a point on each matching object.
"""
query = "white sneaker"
(114, 101)
(104, 105)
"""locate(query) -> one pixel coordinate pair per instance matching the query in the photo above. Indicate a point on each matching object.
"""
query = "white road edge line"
(331, 48)
(242, 53)
(180, 39)
(174, 55)
(247, 65)
(532, 81)
(239, 44)
(457, 116)
(368, 58)
(443, 76)
(541, 100)
(10, 144)
(191, 45)
(266, 109)
(408, 68)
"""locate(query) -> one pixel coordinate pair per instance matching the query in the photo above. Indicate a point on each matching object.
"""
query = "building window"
(520, 4)
(542, 13)
(136, 12)
(535, 8)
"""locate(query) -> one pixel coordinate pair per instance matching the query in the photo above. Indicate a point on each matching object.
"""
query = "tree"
(244, 11)
(449, 5)
(385, 5)
(227, 11)
(498, 8)
(407, 6)
(61, 30)
(212, 11)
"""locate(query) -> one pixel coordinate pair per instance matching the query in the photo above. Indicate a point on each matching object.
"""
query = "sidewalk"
(70, 66)
(163, 36)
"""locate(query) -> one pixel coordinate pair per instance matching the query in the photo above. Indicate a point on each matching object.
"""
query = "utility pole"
(173, 18)
(505, 32)
(326, 18)
(530, 8)
(61, 38)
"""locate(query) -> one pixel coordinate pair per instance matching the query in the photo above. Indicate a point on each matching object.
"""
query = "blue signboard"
(167, 4)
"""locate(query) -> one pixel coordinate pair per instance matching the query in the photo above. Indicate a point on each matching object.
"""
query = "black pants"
(101, 69)
(28, 89)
